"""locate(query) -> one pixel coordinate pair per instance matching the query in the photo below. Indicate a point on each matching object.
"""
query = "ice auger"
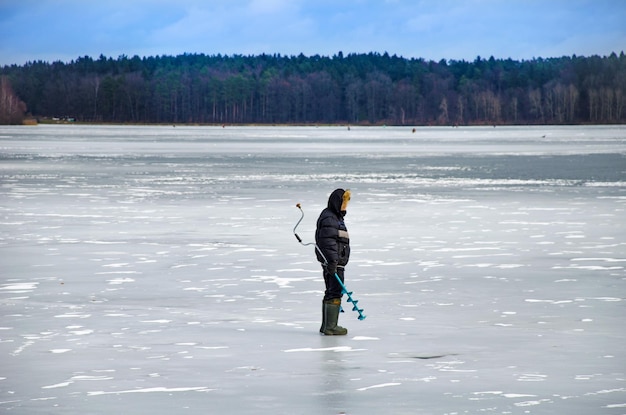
(343, 287)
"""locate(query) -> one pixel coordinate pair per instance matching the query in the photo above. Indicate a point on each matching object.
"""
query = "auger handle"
(300, 239)
(301, 217)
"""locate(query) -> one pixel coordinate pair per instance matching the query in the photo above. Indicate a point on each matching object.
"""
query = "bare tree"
(12, 109)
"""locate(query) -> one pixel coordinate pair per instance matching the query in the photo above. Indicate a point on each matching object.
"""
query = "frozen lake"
(153, 270)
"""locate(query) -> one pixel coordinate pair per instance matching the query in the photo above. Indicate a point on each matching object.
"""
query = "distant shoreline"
(49, 121)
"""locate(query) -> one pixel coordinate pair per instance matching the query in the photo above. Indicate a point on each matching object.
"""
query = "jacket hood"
(335, 200)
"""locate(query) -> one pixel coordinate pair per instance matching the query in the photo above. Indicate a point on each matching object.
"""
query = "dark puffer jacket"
(331, 235)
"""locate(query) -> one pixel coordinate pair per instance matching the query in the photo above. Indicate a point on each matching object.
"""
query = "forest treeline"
(368, 88)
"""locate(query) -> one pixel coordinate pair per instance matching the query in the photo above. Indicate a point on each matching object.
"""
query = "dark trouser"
(333, 288)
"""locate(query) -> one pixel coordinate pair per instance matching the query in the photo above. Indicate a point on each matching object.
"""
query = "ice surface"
(153, 270)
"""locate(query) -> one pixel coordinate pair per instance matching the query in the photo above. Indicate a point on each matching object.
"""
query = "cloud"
(271, 6)
(235, 27)
(450, 29)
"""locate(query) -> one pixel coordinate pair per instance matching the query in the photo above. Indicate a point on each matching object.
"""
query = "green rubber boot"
(330, 317)
(323, 327)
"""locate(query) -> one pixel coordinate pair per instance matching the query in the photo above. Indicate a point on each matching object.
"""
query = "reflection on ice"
(338, 349)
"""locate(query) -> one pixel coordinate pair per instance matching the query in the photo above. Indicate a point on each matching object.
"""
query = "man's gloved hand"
(331, 267)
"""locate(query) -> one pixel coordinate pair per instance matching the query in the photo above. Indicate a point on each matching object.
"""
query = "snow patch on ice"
(530, 377)
(152, 390)
(506, 395)
(21, 287)
(81, 332)
(57, 385)
(73, 315)
(382, 385)
(532, 403)
(119, 281)
(600, 259)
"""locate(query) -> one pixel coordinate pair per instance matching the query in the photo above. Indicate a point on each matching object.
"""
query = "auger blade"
(345, 291)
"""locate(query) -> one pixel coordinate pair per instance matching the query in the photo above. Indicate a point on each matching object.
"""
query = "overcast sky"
(52, 30)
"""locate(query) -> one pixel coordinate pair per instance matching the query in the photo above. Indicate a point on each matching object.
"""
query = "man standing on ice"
(331, 237)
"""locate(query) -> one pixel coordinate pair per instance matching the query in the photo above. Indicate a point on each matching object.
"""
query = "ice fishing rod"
(344, 290)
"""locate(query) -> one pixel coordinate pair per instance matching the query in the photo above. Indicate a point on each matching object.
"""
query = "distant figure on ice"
(331, 236)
